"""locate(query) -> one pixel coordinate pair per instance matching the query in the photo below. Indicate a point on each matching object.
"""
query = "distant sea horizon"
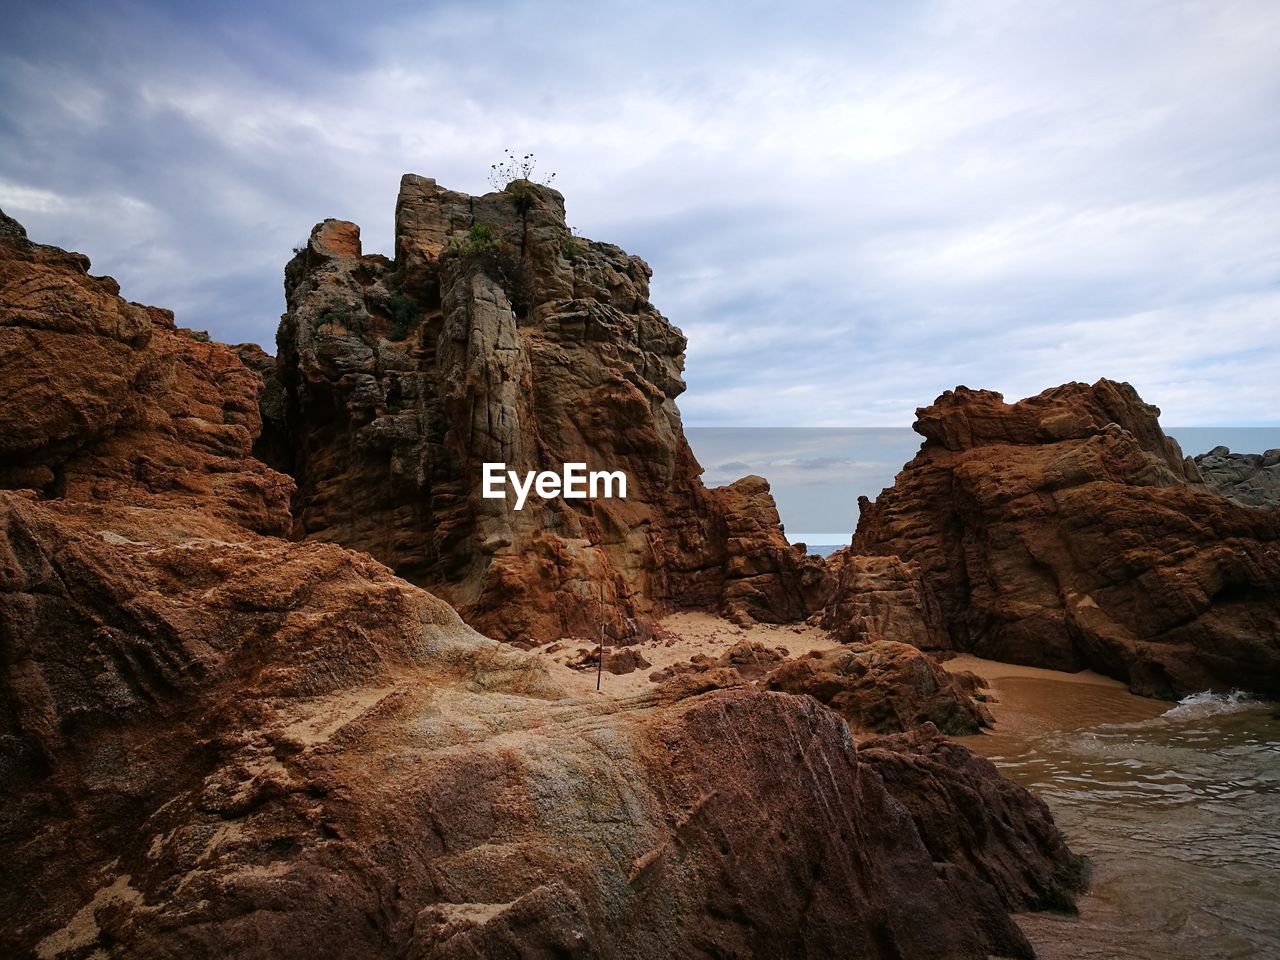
(820, 549)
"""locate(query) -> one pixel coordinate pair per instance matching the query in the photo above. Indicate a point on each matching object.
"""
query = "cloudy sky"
(849, 207)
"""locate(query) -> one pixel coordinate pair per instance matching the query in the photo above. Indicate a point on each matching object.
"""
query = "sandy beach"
(1032, 700)
(686, 635)
(1021, 699)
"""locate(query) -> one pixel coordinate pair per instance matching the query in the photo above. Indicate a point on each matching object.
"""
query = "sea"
(1178, 807)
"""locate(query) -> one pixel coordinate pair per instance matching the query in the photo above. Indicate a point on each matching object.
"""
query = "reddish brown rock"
(883, 687)
(747, 659)
(881, 598)
(1067, 531)
(217, 743)
(221, 744)
(498, 336)
(767, 579)
(879, 687)
(1003, 834)
(618, 662)
(107, 400)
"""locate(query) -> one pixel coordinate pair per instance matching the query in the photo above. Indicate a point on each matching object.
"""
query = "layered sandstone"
(215, 742)
(1067, 531)
(497, 335)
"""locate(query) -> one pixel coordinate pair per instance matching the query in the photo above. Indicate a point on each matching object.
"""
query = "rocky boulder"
(1251, 479)
(1004, 834)
(1067, 531)
(880, 687)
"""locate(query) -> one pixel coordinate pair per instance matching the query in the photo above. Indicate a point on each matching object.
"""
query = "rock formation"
(106, 400)
(880, 687)
(1011, 843)
(1067, 531)
(1252, 479)
(217, 742)
(497, 335)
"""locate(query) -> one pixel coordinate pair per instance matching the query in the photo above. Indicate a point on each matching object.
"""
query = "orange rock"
(106, 400)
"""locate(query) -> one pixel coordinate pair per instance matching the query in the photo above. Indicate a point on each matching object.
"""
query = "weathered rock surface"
(218, 743)
(1067, 531)
(221, 744)
(883, 687)
(881, 598)
(1252, 479)
(879, 687)
(107, 400)
(1003, 834)
(498, 336)
(767, 579)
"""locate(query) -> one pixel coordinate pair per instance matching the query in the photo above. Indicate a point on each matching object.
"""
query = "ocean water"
(823, 549)
(1178, 807)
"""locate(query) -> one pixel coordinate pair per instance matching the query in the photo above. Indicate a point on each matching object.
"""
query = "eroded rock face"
(1251, 479)
(1003, 834)
(1067, 531)
(767, 579)
(883, 687)
(881, 598)
(879, 687)
(107, 400)
(215, 742)
(498, 336)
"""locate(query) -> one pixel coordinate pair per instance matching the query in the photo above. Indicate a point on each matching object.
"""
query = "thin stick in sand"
(600, 647)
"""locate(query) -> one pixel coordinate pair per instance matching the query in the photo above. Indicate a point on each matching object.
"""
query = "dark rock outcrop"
(1251, 479)
(1067, 531)
(498, 336)
(1003, 834)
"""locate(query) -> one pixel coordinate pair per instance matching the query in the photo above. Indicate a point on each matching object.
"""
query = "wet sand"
(1032, 700)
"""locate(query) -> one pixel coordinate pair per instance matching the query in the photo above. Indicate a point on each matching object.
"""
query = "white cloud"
(850, 208)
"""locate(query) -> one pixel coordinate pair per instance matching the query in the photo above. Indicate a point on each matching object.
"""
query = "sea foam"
(1206, 703)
